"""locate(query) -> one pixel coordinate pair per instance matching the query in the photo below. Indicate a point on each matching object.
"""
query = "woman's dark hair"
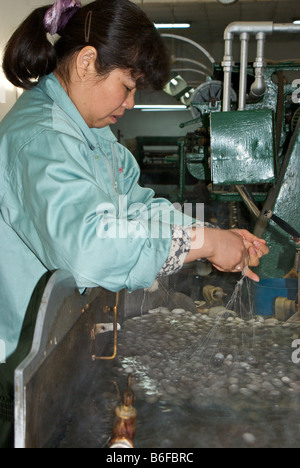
(122, 34)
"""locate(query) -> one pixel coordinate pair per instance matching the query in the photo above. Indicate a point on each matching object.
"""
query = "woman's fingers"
(250, 274)
(250, 239)
(261, 247)
(253, 255)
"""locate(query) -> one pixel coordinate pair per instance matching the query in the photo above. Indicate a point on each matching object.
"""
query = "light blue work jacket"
(70, 199)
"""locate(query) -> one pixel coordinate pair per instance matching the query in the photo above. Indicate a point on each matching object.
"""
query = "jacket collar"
(52, 87)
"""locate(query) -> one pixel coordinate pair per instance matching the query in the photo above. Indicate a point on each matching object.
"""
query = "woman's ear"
(85, 61)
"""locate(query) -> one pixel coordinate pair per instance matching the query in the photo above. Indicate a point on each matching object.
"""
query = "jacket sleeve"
(66, 218)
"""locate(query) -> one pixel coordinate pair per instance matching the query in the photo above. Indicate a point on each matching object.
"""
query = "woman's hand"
(229, 251)
(256, 247)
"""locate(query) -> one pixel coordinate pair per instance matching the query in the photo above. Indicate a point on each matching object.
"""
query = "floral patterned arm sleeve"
(181, 246)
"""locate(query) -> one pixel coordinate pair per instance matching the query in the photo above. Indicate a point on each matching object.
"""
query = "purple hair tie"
(58, 16)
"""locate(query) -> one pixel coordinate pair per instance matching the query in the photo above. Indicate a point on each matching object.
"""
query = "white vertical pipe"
(258, 88)
(244, 37)
(227, 65)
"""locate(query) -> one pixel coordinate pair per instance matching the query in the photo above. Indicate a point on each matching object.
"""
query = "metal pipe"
(255, 27)
(192, 70)
(227, 65)
(244, 37)
(286, 28)
(115, 330)
(251, 27)
(195, 62)
(193, 43)
(258, 88)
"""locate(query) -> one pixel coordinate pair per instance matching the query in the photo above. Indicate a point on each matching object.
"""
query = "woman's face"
(100, 100)
(104, 100)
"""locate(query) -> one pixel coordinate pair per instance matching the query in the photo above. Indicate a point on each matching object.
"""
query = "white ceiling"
(209, 18)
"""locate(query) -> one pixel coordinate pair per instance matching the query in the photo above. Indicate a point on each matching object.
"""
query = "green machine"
(248, 140)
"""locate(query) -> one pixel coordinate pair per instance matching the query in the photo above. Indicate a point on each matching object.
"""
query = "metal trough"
(68, 342)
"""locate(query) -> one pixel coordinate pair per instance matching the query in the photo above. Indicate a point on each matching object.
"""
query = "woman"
(69, 192)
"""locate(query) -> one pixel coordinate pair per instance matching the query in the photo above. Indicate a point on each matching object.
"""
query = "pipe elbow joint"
(258, 89)
(251, 27)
